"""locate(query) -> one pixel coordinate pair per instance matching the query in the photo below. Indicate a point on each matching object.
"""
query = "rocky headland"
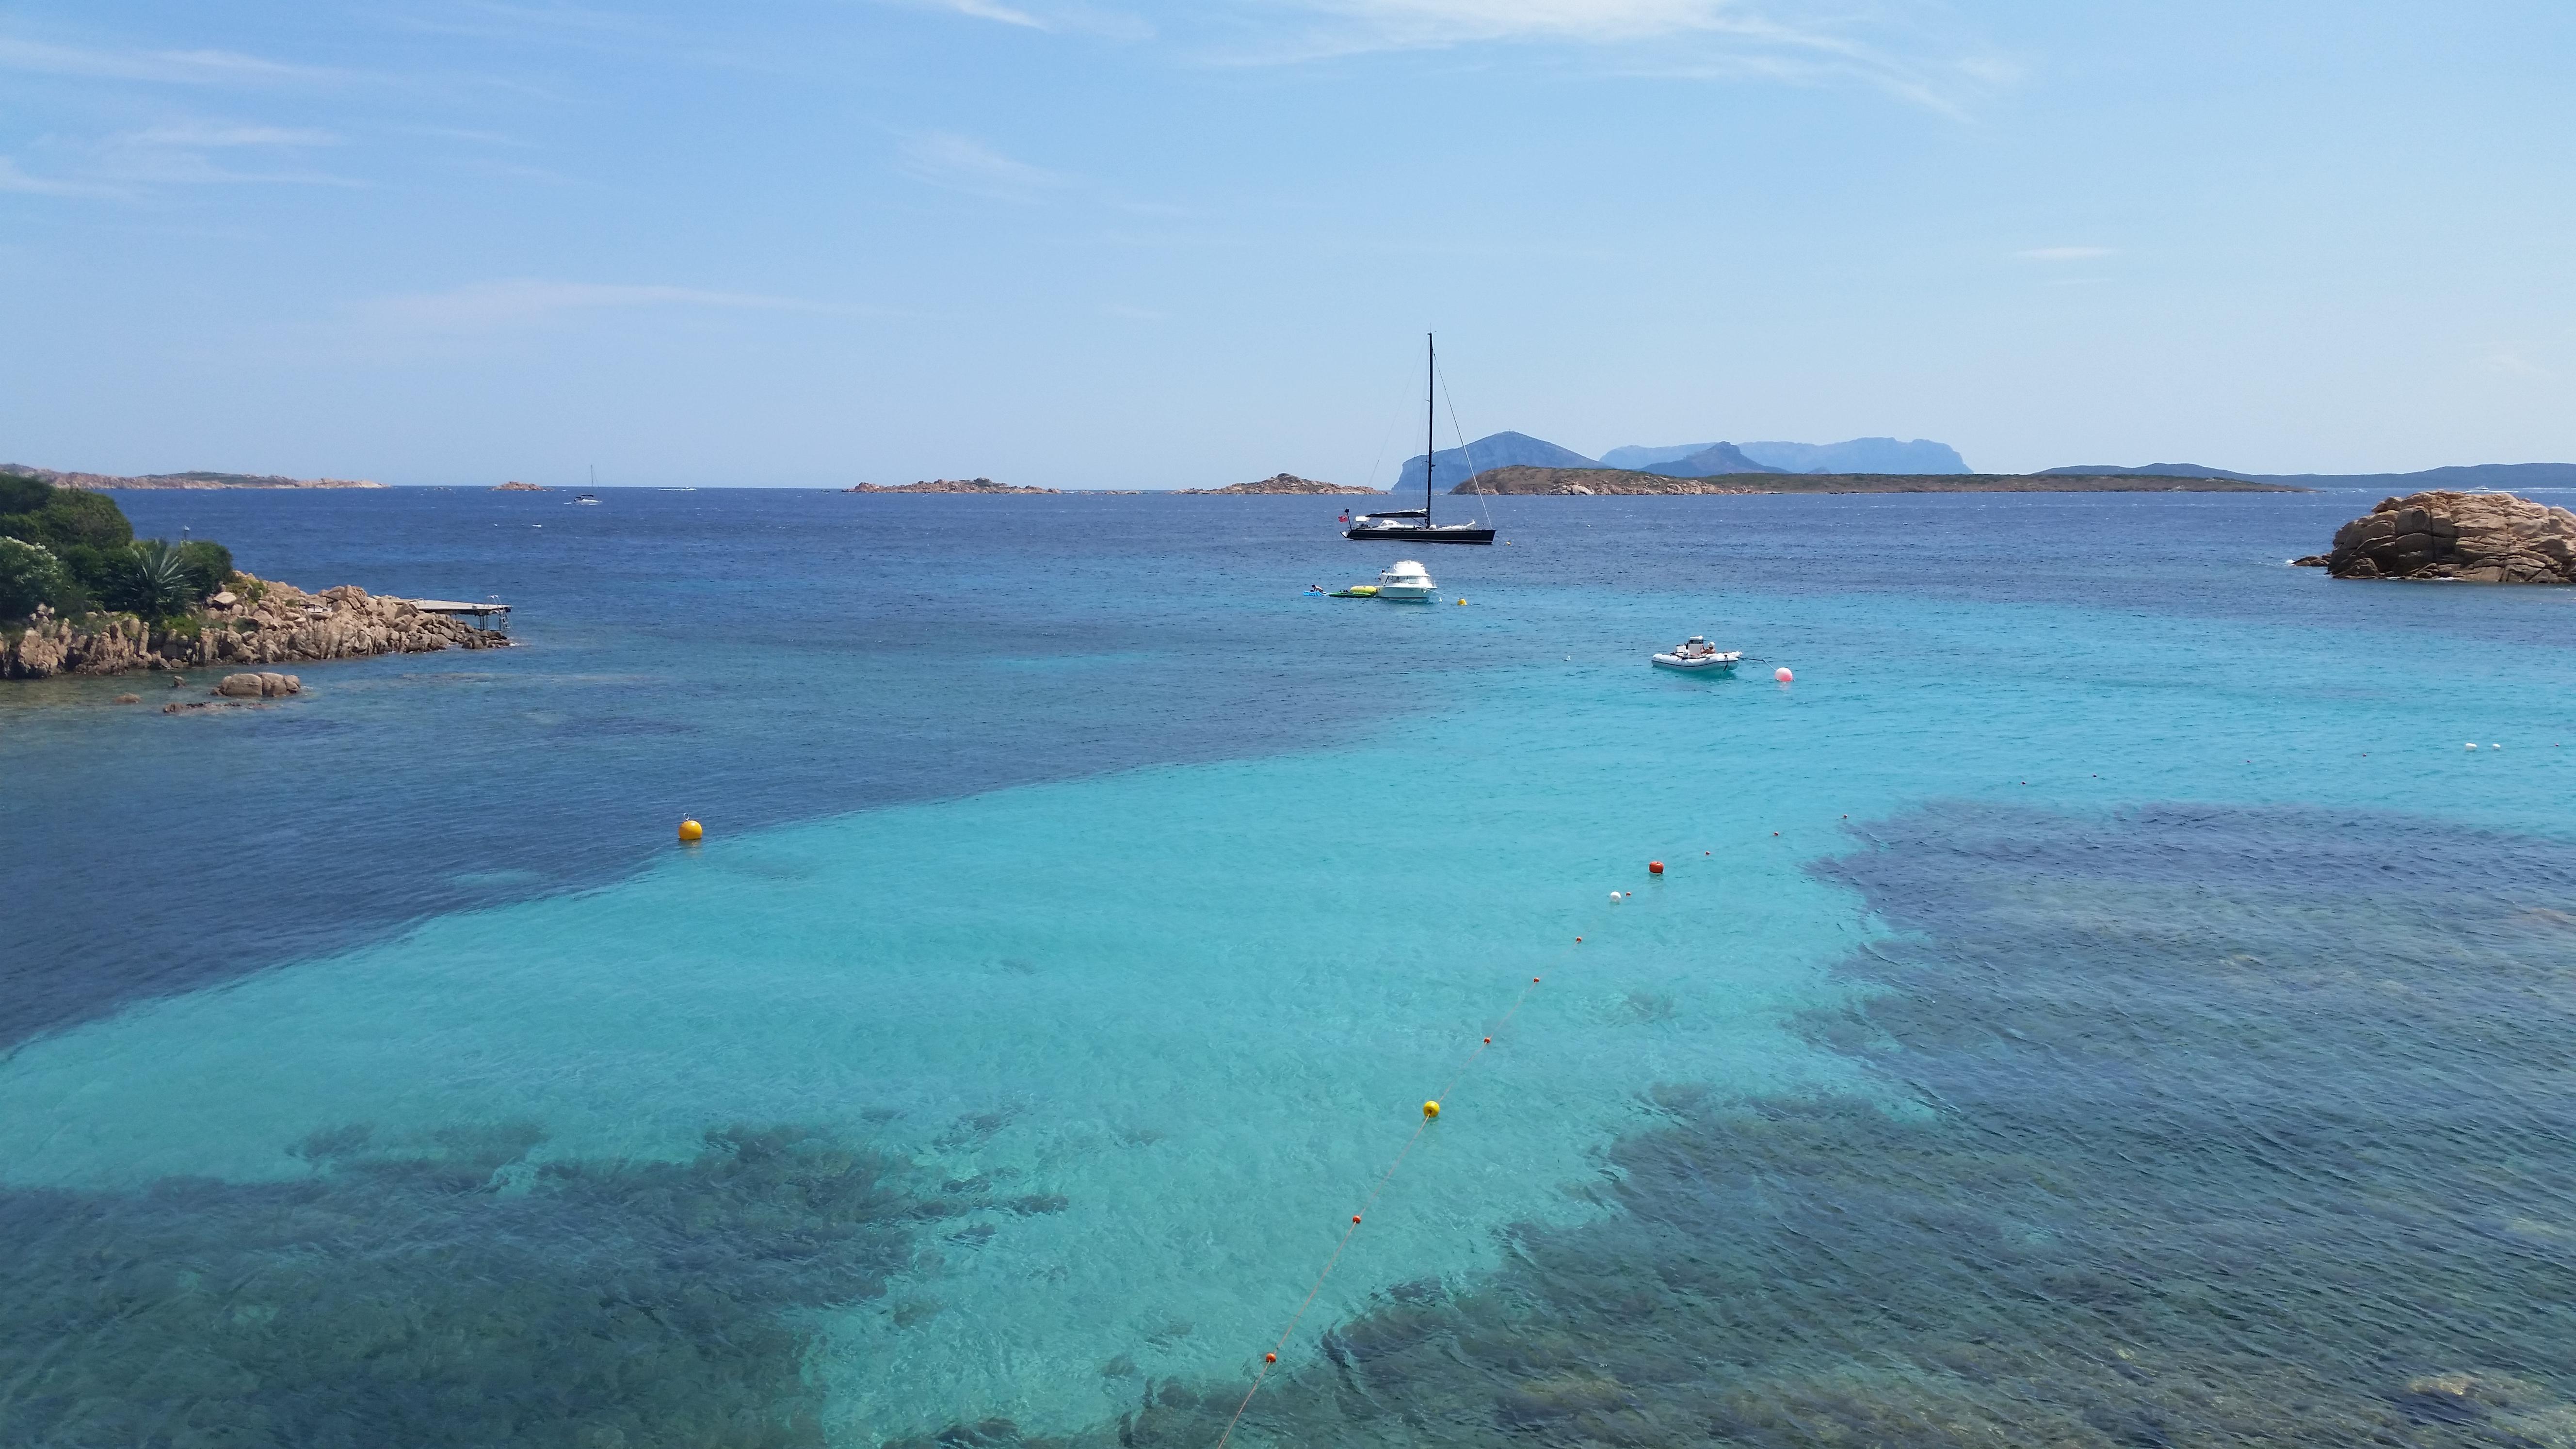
(182, 480)
(1283, 483)
(252, 621)
(2485, 538)
(1586, 482)
(946, 485)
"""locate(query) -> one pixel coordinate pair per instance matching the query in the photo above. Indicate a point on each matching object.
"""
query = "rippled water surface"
(2100, 1002)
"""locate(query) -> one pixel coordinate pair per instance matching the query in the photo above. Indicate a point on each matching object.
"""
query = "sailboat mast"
(1430, 418)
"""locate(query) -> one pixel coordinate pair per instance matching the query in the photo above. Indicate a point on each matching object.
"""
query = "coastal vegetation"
(74, 552)
(80, 594)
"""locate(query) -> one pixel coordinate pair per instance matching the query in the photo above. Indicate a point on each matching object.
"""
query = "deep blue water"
(2147, 1024)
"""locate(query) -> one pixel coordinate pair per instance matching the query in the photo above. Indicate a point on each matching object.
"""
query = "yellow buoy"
(691, 832)
(1430, 1110)
(1462, 603)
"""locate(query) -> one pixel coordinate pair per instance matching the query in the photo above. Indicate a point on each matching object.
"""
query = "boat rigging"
(1399, 525)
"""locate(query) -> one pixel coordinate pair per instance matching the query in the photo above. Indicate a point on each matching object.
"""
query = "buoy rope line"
(1430, 1114)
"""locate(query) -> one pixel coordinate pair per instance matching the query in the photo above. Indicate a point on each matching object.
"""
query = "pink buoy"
(1782, 674)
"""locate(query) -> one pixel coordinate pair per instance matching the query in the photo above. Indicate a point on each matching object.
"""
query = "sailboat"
(1414, 525)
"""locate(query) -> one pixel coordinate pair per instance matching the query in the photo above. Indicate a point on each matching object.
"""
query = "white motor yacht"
(1696, 654)
(1406, 583)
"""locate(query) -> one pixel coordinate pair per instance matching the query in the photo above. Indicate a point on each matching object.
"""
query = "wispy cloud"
(177, 67)
(961, 163)
(2516, 362)
(1069, 17)
(14, 178)
(183, 153)
(987, 10)
(483, 306)
(2066, 254)
(198, 135)
(1681, 39)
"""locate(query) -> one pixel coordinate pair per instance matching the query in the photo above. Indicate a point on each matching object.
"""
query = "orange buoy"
(1355, 1217)
(1654, 867)
(1270, 1358)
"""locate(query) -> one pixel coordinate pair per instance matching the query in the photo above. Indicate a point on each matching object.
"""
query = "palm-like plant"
(158, 581)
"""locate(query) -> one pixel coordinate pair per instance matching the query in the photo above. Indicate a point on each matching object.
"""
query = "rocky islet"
(2490, 538)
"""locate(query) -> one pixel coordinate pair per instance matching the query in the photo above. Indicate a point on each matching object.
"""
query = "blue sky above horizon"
(1086, 243)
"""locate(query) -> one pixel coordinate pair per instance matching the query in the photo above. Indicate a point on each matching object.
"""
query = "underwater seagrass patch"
(2232, 1126)
(450, 1292)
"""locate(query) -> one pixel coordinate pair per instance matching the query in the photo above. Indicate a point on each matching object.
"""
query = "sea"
(2120, 989)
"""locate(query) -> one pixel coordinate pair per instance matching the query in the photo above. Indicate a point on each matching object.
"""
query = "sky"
(1104, 244)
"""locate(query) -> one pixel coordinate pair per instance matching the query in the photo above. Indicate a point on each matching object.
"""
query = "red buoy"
(1355, 1217)
(1270, 1358)
(1654, 867)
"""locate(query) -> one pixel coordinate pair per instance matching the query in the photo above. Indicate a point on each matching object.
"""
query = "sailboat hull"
(1418, 533)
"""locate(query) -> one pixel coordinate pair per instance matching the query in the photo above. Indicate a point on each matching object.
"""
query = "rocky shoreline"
(253, 621)
(183, 480)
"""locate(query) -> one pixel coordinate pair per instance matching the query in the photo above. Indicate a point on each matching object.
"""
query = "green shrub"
(30, 575)
(209, 564)
(63, 518)
(20, 493)
(92, 545)
(151, 579)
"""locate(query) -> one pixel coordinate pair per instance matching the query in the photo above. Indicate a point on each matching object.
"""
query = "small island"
(2479, 538)
(515, 486)
(1592, 482)
(946, 485)
(79, 594)
(1283, 483)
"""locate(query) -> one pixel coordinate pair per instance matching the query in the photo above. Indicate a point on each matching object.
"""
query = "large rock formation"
(2490, 538)
(256, 621)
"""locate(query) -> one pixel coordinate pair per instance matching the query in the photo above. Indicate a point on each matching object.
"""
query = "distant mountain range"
(1923, 458)
(1500, 450)
(2506, 476)
(1859, 455)
(1694, 460)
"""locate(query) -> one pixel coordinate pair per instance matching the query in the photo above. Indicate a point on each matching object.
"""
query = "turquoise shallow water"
(1135, 1040)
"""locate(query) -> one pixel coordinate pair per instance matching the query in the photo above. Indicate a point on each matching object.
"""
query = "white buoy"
(2473, 744)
